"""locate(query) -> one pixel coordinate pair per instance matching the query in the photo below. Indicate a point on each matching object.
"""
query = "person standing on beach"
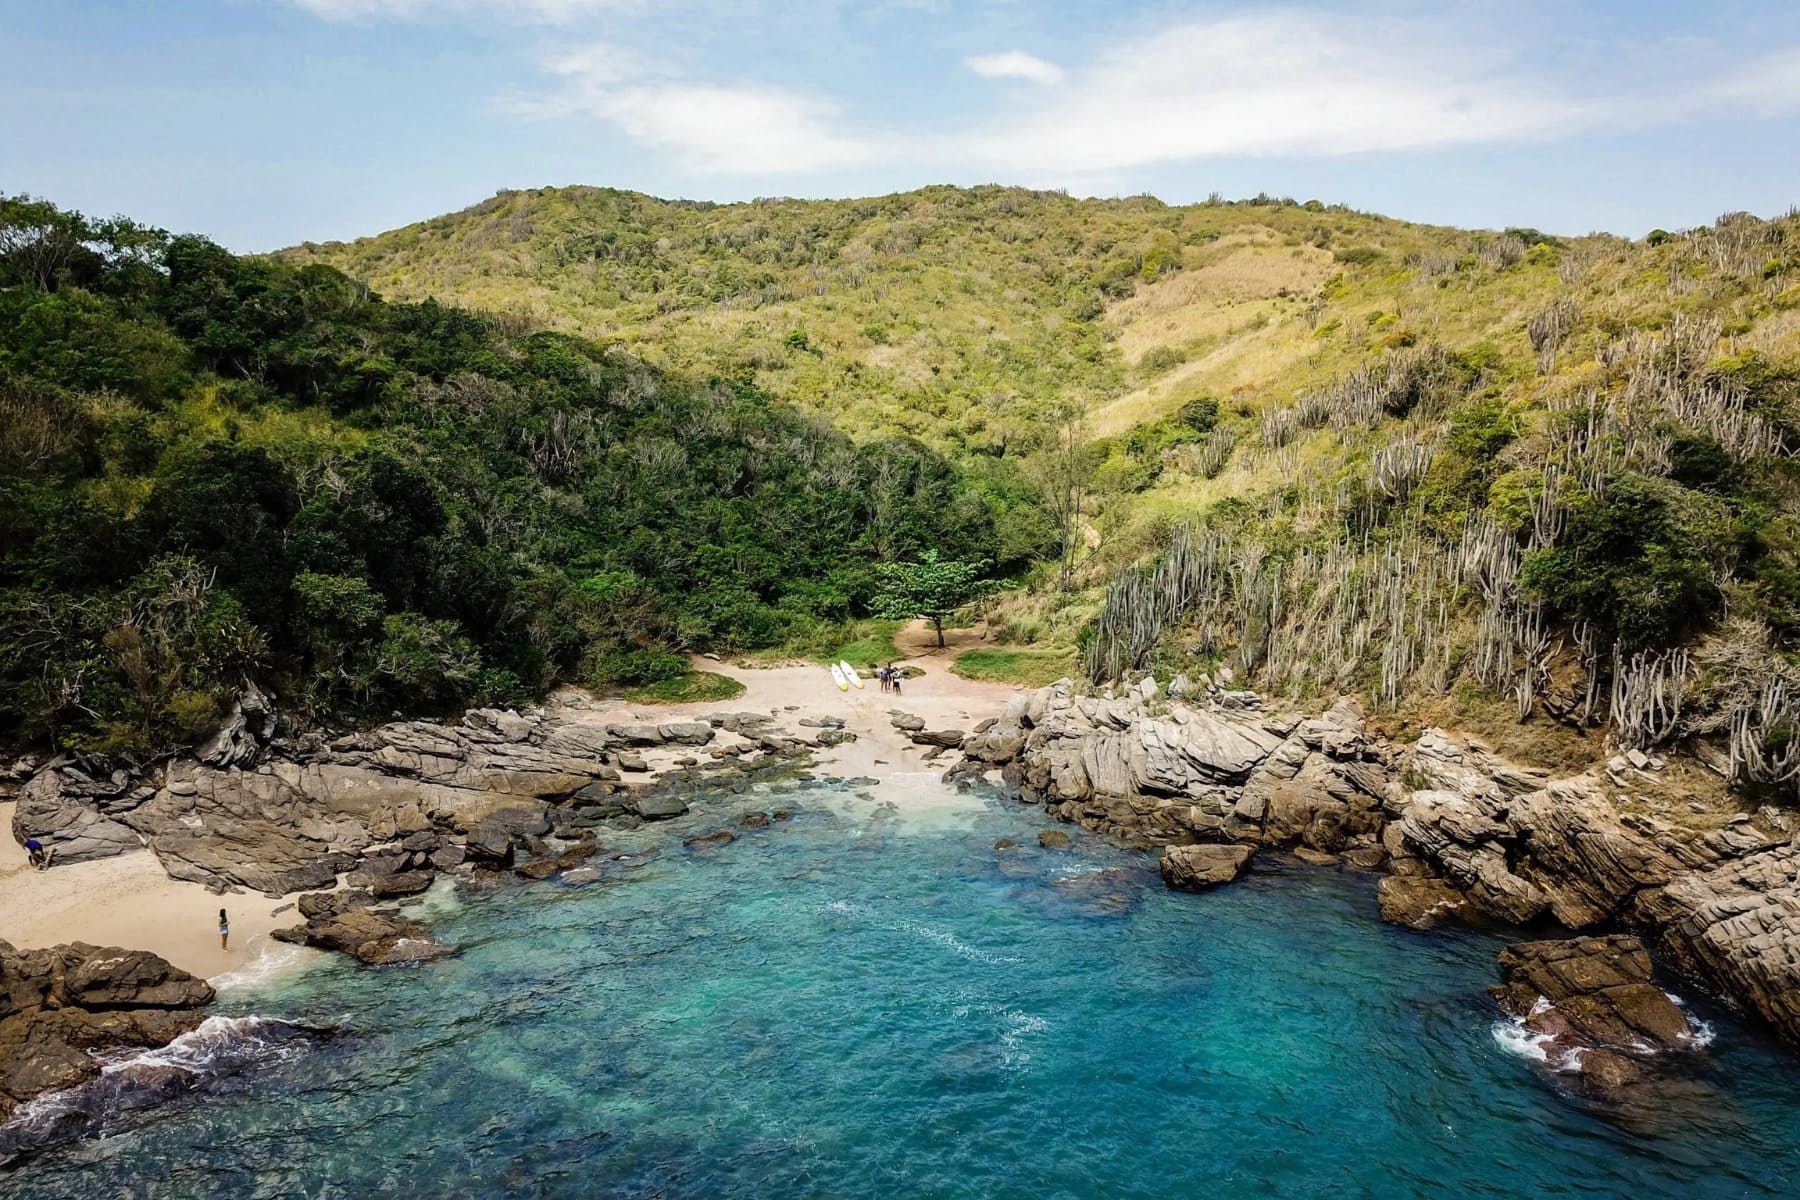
(224, 931)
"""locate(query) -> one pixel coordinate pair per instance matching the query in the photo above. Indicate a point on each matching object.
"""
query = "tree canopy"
(214, 467)
(931, 587)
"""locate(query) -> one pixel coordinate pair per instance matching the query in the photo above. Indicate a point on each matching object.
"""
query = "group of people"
(890, 678)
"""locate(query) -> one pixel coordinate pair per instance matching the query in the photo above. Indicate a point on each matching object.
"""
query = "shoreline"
(130, 901)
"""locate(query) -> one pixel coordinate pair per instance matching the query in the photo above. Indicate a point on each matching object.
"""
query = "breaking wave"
(217, 1048)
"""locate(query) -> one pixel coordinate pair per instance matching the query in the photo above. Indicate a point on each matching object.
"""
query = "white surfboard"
(837, 677)
(850, 673)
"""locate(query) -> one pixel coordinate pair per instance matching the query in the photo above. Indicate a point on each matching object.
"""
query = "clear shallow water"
(853, 1005)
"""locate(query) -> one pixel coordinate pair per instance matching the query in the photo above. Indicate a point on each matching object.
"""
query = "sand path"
(129, 901)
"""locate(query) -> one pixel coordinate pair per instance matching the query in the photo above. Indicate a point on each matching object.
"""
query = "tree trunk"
(938, 623)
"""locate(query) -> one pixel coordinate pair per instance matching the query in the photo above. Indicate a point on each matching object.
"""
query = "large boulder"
(76, 813)
(1198, 868)
(1594, 1010)
(348, 923)
(60, 1004)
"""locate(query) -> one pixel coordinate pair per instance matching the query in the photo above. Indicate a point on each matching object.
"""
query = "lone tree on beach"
(932, 588)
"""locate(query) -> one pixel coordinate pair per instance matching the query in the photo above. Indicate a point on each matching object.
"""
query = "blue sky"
(268, 122)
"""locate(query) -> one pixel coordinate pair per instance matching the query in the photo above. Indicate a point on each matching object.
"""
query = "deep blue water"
(853, 1004)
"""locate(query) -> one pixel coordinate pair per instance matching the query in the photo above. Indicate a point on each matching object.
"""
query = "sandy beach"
(129, 901)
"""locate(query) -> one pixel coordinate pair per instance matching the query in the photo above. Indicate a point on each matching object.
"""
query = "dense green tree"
(931, 587)
(214, 467)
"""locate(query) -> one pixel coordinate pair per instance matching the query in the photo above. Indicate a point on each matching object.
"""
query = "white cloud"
(1293, 82)
(1764, 87)
(1287, 83)
(547, 12)
(1015, 64)
(707, 128)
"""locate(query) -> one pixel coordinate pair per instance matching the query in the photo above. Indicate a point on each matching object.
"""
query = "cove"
(872, 1000)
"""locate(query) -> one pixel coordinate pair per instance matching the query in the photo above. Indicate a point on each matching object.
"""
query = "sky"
(263, 123)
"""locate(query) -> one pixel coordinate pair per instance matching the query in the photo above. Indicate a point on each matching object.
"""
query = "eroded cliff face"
(1462, 833)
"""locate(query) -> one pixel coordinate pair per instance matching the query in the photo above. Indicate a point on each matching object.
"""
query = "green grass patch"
(695, 687)
(1029, 668)
(860, 642)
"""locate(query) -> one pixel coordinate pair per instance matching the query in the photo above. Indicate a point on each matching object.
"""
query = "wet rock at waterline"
(59, 1005)
(1594, 1009)
(1418, 902)
(349, 923)
(1197, 868)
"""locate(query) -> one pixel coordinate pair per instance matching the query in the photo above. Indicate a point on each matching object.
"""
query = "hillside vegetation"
(1546, 476)
(215, 469)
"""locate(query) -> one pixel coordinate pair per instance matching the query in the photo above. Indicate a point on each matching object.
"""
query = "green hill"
(1520, 481)
(1417, 462)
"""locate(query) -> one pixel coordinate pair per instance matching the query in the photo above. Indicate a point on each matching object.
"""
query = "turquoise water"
(856, 1004)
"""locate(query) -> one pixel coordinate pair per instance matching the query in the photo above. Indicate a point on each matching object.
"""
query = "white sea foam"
(1018, 1026)
(1514, 1038)
(274, 960)
(954, 944)
(218, 1046)
(930, 933)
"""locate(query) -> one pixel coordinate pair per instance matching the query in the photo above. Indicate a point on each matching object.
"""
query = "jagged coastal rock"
(1594, 1007)
(1462, 833)
(60, 1004)
(387, 807)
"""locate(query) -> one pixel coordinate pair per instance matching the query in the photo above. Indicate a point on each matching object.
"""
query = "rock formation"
(59, 1005)
(1594, 1007)
(1462, 833)
(1197, 868)
(384, 806)
(351, 923)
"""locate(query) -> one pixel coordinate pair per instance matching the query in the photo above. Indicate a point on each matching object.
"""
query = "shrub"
(1160, 358)
(1639, 562)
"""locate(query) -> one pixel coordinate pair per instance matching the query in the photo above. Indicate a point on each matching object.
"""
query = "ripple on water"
(842, 1007)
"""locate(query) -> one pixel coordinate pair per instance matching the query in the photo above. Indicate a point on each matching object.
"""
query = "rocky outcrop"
(59, 1005)
(1227, 772)
(299, 819)
(1200, 867)
(245, 733)
(1737, 926)
(351, 923)
(1593, 1008)
(1722, 906)
(1462, 833)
